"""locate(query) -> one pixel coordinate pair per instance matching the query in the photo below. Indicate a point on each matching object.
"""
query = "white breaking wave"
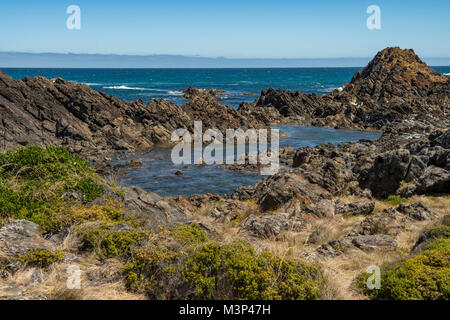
(175, 93)
(125, 88)
(447, 74)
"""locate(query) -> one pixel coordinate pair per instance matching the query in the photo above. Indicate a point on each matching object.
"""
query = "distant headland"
(73, 60)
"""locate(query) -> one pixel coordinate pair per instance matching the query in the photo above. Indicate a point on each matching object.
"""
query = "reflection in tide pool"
(157, 173)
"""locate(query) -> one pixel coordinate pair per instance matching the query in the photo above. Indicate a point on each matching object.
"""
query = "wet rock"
(191, 93)
(131, 164)
(179, 173)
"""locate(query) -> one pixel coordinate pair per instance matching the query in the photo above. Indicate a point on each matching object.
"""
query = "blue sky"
(234, 29)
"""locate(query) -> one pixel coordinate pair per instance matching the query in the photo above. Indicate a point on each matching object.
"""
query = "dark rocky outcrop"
(416, 211)
(387, 172)
(38, 111)
(395, 86)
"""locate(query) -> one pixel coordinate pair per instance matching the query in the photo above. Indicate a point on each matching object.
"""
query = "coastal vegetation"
(424, 276)
(35, 183)
(308, 231)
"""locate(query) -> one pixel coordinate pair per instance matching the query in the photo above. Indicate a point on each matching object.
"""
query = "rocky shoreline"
(337, 208)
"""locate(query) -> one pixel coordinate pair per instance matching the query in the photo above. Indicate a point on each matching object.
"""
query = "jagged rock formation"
(391, 165)
(38, 111)
(396, 92)
(395, 85)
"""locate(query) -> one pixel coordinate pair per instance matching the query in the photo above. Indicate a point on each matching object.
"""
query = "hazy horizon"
(72, 60)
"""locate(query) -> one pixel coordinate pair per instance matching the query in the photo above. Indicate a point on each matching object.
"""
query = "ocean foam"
(125, 88)
(175, 93)
(447, 74)
(165, 92)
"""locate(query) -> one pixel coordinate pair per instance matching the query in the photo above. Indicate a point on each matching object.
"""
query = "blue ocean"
(240, 85)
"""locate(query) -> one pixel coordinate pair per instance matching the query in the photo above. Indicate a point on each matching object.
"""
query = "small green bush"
(155, 268)
(183, 263)
(440, 232)
(425, 276)
(439, 244)
(108, 242)
(395, 200)
(41, 258)
(90, 189)
(236, 271)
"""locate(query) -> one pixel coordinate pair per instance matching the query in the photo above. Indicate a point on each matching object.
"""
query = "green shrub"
(425, 276)
(440, 232)
(395, 200)
(236, 271)
(107, 241)
(439, 244)
(41, 257)
(90, 189)
(155, 268)
(183, 263)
